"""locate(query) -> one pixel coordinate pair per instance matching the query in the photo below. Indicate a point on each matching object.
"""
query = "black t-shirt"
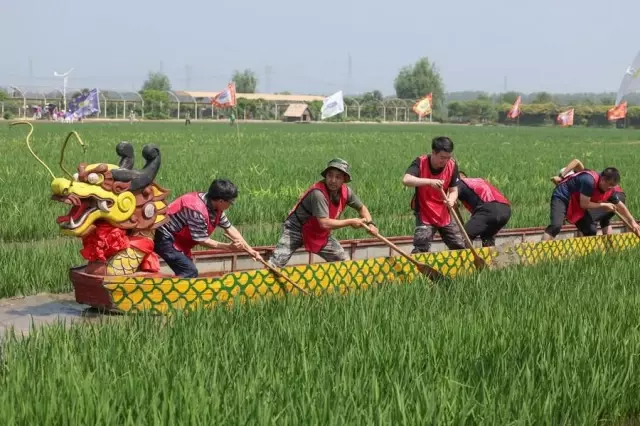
(466, 194)
(582, 183)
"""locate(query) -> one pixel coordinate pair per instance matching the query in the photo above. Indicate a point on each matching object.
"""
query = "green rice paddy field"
(551, 344)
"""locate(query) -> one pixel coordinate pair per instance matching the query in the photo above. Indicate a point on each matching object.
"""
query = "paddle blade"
(431, 273)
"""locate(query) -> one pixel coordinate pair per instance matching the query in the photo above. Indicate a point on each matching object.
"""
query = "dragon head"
(118, 194)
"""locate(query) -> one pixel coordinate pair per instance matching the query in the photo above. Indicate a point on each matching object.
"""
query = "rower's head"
(609, 178)
(222, 194)
(441, 151)
(336, 173)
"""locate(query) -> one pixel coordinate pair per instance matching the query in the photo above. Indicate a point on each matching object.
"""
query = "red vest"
(182, 240)
(485, 191)
(314, 237)
(575, 212)
(433, 210)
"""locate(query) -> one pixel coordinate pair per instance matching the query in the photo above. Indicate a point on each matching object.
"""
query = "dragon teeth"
(102, 205)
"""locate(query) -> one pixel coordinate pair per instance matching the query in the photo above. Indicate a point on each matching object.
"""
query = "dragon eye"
(93, 178)
(76, 176)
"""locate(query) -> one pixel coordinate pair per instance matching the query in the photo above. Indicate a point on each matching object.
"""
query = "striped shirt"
(194, 220)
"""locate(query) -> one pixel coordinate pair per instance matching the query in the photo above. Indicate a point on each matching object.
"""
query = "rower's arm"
(452, 196)
(586, 203)
(330, 224)
(215, 244)
(624, 212)
(235, 235)
(412, 181)
(364, 213)
(574, 165)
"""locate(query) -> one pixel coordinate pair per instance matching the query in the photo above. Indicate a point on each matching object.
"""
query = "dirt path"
(42, 309)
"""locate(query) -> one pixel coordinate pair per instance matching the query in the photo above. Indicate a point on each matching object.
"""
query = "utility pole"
(349, 75)
(65, 77)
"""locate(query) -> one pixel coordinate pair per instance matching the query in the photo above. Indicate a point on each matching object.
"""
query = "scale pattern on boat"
(161, 295)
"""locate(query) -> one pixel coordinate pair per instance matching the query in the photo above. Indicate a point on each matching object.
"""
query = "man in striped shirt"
(192, 218)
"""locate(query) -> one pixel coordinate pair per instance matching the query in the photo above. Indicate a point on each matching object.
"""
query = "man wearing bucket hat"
(315, 215)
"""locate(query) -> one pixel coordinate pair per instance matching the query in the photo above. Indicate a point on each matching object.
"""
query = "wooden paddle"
(433, 274)
(626, 222)
(273, 270)
(477, 260)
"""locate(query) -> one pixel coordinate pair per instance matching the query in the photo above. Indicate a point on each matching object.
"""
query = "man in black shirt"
(490, 210)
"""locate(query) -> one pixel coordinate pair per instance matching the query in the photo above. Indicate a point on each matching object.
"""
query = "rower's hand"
(448, 202)
(435, 183)
(373, 230)
(357, 223)
(608, 207)
(254, 254)
(238, 245)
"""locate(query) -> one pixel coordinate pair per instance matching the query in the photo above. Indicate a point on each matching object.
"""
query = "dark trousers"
(179, 263)
(559, 207)
(423, 235)
(486, 221)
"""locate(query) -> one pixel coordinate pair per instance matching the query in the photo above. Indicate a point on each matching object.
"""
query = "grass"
(550, 344)
(273, 164)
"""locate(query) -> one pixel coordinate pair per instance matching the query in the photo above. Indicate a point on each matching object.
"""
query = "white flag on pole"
(332, 105)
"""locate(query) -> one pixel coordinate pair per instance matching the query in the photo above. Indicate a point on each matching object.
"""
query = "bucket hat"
(339, 164)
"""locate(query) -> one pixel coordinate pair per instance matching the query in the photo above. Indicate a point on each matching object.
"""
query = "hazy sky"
(553, 45)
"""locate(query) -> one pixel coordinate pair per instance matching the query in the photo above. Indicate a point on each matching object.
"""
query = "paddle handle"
(273, 270)
(453, 213)
(395, 247)
(626, 222)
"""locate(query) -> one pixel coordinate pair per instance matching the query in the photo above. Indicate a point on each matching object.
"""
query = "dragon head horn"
(29, 145)
(127, 155)
(141, 178)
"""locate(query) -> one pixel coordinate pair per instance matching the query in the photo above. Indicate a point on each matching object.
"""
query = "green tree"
(156, 104)
(3, 95)
(375, 96)
(509, 97)
(418, 80)
(606, 100)
(246, 81)
(542, 98)
(156, 81)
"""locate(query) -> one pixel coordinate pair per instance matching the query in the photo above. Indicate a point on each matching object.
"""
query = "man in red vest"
(192, 219)
(490, 210)
(315, 215)
(579, 192)
(428, 174)
(600, 215)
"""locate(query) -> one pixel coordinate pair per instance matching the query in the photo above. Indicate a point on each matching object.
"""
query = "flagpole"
(237, 124)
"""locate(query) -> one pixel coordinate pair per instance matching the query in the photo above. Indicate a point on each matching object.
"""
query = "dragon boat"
(115, 210)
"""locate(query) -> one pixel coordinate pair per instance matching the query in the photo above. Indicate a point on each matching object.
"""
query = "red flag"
(424, 106)
(565, 118)
(226, 98)
(515, 108)
(617, 112)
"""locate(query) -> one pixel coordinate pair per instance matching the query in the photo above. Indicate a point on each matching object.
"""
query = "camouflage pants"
(423, 235)
(291, 240)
